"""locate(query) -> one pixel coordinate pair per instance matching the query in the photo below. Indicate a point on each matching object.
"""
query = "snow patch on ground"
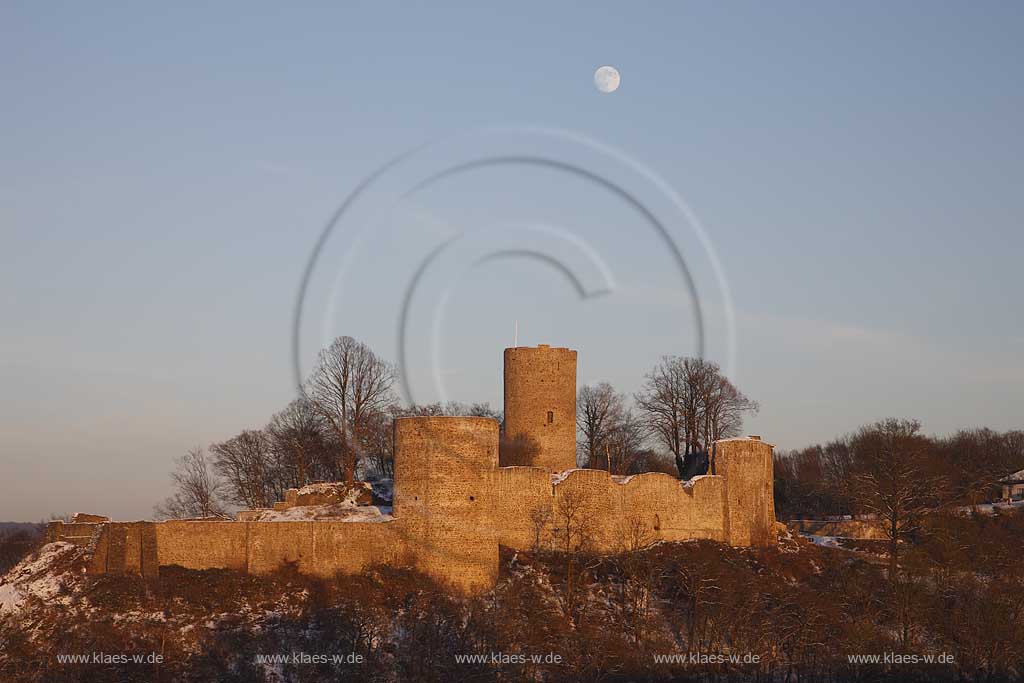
(10, 598)
(335, 512)
(788, 543)
(991, 508)
(825, 541)
(319, 487)
(40, 576)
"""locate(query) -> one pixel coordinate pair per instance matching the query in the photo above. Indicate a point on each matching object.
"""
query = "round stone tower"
(444, 468)
(540, 402)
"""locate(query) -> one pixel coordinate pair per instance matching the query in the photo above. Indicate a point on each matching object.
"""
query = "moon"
(607, 79)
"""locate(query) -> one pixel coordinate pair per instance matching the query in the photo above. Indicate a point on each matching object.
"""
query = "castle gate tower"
(540, 402)
(443, 478)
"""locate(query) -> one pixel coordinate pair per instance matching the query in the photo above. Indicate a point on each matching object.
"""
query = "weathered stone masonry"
(540, 402)
(453, 505)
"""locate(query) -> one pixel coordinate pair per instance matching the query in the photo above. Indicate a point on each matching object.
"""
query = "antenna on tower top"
(515, 343)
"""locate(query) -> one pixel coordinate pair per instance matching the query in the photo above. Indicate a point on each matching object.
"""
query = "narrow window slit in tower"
(551, 416)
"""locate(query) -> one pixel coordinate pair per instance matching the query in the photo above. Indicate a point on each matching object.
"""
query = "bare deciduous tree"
(348, 387)
(978, 459)
(670, 406)
(721, 407)
(598, 410)
(247, 465)
(540, 522)
(639, 574)
(893, 480)
(625, 443)
(379, 440)
(611, 435)
(296, 436)
(688, 404)
(197, 491)
(573, 533)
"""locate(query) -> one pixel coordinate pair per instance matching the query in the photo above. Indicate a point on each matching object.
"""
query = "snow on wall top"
(745, 438)
(559, 477)
(339, 512)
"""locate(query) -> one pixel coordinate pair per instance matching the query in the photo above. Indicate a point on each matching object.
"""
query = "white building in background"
(1013, 486)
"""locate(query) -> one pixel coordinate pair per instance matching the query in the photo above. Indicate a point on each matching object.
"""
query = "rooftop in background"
(1015, 478)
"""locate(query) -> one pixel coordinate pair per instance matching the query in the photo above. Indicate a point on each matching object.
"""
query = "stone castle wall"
(79, 533)
(540, 402)
(197, 544)
(520, 495)
(453, 506)
(531, 512)
(674, 510)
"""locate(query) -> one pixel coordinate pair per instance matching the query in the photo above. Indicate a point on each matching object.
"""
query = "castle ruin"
(454, 506)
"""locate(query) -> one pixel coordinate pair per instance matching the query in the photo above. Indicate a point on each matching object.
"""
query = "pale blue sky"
(167, 171)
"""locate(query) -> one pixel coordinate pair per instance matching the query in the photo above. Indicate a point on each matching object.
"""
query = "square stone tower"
(443, 497)
(540, 402)
(747, 465)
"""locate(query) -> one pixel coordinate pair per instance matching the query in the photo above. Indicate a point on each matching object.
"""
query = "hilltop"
(795, 606)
